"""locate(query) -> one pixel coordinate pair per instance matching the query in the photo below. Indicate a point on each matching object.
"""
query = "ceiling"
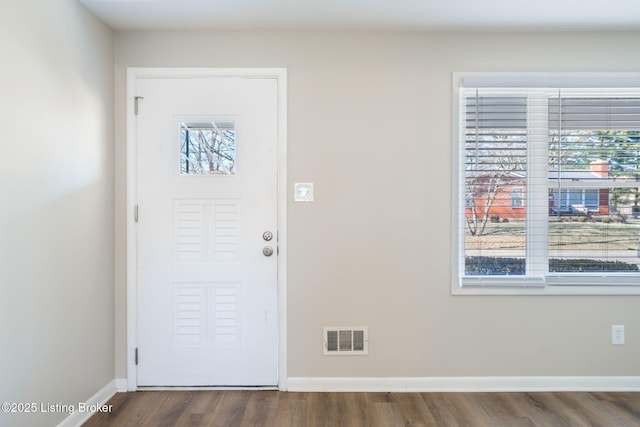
(414, 15)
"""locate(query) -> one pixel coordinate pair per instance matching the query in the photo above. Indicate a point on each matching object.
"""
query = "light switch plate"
(303, 192)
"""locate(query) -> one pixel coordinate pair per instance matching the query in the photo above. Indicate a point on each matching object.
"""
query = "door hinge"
(135, 213)
(136, 356)
(136, 101)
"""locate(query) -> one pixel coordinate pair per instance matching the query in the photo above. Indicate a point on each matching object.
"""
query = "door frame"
(133, 75)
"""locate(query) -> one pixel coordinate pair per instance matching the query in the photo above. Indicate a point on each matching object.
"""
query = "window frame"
(517, 198)
(565, 193)
(549, 284)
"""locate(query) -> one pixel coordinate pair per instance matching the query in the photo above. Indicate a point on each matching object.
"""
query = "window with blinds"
(495, 172)
(594, 179)
(549, 185)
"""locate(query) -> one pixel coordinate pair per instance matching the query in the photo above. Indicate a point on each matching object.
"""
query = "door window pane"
(207, 148)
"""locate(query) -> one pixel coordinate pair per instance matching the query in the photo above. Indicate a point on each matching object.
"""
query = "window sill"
(552, 285)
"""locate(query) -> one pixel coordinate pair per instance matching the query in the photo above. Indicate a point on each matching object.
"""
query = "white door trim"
(133, 74)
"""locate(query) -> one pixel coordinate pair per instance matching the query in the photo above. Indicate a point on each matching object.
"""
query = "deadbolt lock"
(267, 236)
(267, 251)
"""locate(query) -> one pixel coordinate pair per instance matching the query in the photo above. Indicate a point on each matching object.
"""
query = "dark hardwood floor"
(273, 408)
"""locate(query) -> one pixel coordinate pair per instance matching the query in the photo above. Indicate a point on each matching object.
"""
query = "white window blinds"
(594, 173)
(549, 184)
(495, 171)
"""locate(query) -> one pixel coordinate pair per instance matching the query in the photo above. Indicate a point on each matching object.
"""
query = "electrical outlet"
(617, 334)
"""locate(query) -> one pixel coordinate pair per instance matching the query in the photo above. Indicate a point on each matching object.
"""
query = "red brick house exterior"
(510, 200)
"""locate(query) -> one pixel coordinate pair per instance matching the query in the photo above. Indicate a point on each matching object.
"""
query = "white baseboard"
(97, 400)
(464, 384)
(122, 385)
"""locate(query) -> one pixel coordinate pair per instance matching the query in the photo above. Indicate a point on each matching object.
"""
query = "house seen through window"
(549, 184)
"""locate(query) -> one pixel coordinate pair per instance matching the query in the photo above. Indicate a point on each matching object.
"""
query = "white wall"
(56, 206)
(370, 123)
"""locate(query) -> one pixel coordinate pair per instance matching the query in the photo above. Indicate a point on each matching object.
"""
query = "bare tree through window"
(208, 148)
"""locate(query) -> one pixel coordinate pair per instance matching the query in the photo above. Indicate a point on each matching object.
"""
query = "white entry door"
(207, 238)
